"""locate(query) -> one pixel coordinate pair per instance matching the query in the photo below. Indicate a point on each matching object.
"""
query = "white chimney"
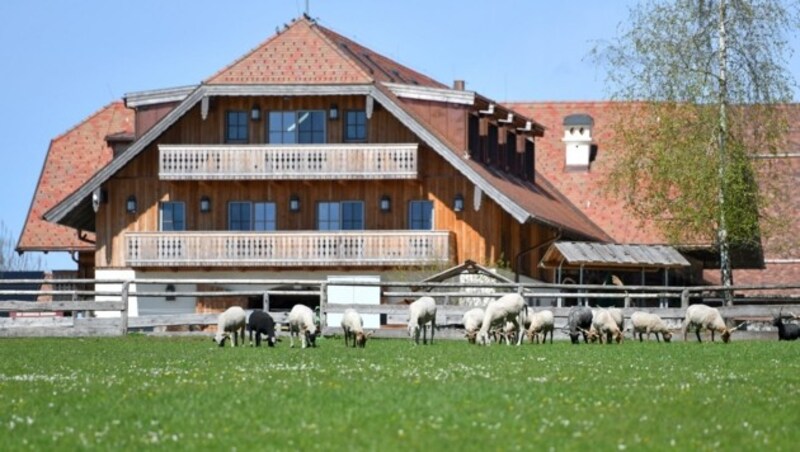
(578, 141)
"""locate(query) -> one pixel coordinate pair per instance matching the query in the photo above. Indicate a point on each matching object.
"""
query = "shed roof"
(604, 255)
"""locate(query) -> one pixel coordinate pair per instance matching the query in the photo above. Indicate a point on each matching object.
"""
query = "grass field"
(185, 393)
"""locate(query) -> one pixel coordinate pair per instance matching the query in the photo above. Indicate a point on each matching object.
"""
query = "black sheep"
(261, 323)
(786, 331)
(579, 320)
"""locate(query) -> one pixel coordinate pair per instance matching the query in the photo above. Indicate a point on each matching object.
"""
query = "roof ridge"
(320, 31)
(87, 119)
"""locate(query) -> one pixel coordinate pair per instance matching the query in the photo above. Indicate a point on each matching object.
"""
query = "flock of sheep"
(505, 319)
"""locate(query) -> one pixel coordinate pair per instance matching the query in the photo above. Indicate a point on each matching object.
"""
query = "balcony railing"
(285, 162)
(292, 249)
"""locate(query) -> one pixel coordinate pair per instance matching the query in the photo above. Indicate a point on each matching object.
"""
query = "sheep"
(420, 313)
(472, 323)
(509, 329)
(616, 314)
(505, 309)
(644, 322)
(301, 323)
(786, 331)
(579, 320)
(259, 322)
(541, 322)
(353, 327)
(699, 316)
(230, 321)
(604, 324)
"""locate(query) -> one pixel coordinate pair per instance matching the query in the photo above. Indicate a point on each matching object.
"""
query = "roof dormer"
(578, 141)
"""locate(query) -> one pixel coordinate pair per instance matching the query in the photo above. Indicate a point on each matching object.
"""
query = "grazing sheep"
(542, 322)
(230, 321)
(699, 316)
(604, 323)
(510, 330)
(301, 323)
(579, 320)
(616, 314)
(505, 309)
(644, 322)
(353, 327)
(472, 323)
(786, 331)
(420, 313)
(260, 323)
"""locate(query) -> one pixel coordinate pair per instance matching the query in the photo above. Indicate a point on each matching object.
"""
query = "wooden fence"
(73, 315)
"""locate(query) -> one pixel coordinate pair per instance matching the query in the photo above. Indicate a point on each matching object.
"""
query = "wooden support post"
(685, 298)
(265, 302)
(124, 313)
(323, 306)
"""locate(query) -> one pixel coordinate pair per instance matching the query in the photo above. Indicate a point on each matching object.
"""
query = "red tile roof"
(307, 53)
(586, 189)
(72, 159)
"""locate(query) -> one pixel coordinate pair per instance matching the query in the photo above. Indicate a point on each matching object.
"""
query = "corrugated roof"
(604, 255)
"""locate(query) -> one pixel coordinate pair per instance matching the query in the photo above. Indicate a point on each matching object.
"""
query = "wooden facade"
(483, 231)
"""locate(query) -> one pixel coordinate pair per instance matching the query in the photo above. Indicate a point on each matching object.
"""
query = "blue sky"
(63, 60)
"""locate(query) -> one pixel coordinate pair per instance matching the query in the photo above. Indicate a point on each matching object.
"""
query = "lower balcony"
(289, 249)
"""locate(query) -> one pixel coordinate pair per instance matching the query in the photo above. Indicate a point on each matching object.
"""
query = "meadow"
(185, 393)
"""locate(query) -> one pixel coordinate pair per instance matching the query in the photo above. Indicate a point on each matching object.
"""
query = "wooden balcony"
(288, 162)
(287, 249)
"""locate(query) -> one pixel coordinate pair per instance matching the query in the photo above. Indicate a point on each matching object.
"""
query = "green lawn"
(185, 393)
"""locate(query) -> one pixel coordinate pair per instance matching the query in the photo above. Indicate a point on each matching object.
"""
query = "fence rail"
(81, 322)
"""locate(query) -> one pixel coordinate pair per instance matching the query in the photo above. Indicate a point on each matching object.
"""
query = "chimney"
(458, 85)
(578, 141)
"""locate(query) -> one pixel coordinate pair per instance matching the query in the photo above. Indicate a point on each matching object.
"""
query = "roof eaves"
(157, 96)
(384, 96)
(62, 209)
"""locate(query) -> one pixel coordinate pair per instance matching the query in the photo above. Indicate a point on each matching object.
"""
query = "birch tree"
(709, 79)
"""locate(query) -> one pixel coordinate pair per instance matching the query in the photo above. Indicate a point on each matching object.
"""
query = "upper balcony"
(287, 249)
(288, 162)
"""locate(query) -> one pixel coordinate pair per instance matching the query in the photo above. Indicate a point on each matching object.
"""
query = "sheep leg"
(697, 332)
(657, 338)
(345, 337)
(433, 329)
(291, 338)
(712, 334)
(424, 334)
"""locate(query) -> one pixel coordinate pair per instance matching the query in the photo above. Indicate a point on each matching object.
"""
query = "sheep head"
(471, 336)
(726, 335)
(361, 339)
(220, 338)
(667, 336)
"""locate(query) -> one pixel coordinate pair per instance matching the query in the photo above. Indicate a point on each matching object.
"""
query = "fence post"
(685, 298)
(124, 313)
(323, 306)
(265, 302)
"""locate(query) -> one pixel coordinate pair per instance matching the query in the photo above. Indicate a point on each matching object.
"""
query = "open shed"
(584, 256)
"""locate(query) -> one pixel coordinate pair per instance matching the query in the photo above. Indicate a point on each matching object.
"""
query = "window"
(251, 216)
(173, 216)
(529, 162)
(336, 216)
(236, 127)
(491, 155)
(420, 215)
(355, 125)
(511, 150)
(290, 127)
(474, 137)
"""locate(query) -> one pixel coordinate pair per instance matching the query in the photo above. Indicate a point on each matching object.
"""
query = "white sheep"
(420, 313)
(700, 316)
(472, 323)
(301, 323)
(509, 329)
(353, 327)
(230, 321)
(616, 314)
(645, 322)
(541, 322)
(603, 323)
(505, 309)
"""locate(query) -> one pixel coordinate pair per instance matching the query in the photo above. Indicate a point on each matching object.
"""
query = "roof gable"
(72, 159)
(300, 54)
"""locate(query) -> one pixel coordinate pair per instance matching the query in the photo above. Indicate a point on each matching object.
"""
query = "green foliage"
(181, 393)
(708, 98)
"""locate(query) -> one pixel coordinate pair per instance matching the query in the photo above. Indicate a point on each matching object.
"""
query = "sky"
(64, 60)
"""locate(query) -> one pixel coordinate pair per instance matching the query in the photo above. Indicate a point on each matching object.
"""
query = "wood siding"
(488, 236)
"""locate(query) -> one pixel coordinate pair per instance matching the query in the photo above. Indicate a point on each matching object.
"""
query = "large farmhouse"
(311, 157)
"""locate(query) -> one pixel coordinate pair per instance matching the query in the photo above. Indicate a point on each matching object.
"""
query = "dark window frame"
(344, 216)
(237, 122)
(173, 207)
(311, 130)
(420, 214)
(355, 121)
(253, 222)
